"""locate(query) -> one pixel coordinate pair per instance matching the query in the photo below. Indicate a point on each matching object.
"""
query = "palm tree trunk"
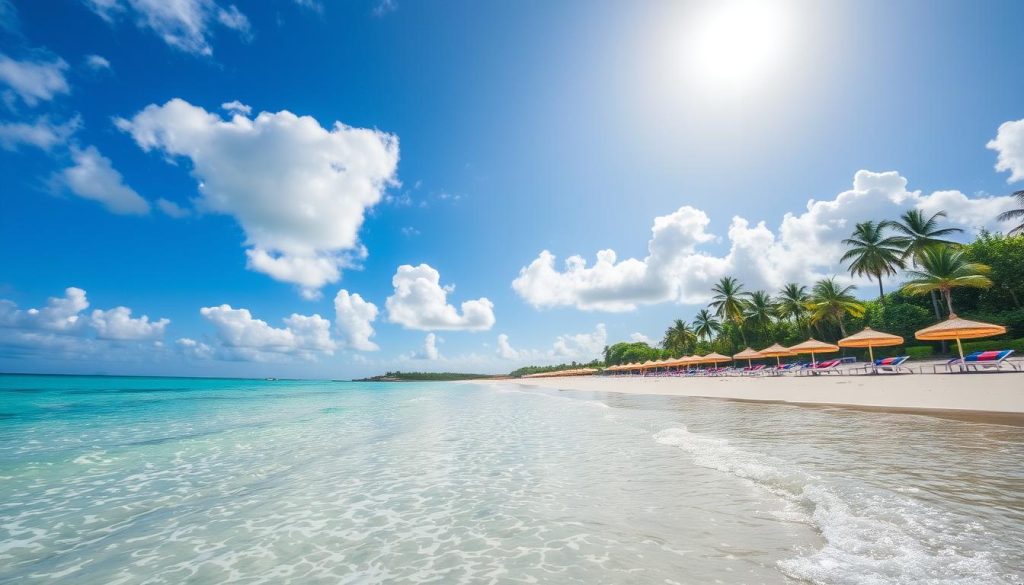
(935, 305)
(949, 300)
(938, 317)
(881, 293)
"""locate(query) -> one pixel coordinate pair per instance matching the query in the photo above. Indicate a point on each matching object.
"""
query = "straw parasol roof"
(871, 339)
(776, 351)
(715, 358)
(813, 346)
(747, 354)
(957, 328)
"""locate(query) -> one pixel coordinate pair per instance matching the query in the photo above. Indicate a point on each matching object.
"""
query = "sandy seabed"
(995, 392)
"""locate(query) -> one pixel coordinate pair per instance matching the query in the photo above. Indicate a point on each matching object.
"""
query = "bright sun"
(733, 44)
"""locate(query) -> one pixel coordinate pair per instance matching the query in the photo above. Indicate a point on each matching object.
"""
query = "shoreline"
(999, 394)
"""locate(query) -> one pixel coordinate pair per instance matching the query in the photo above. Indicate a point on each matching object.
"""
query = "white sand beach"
(1001, 392)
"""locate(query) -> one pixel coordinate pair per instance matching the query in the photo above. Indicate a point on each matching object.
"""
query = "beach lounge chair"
(947, 365)
(989, 360)
(889, 364)
(751, 370)
(823, 367)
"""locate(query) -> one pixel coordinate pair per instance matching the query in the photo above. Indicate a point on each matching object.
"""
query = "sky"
(321, 189)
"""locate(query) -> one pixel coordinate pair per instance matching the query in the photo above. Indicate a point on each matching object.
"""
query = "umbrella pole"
(871, 353)
(812, 359)
(961, 348)
(750, 364)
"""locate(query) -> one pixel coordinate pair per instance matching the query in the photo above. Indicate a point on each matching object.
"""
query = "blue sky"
(473, 137)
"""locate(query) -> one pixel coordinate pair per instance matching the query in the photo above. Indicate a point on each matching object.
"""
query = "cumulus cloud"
(1009, 144)
(61, 329)
(94, 177)
(194, 349)
(302, 335)
(34, 81)
(804, 247)
(582, 346)
(42, 133)
(641, 338)
(420, 302)
(118, 323)
(97, 62)
(505, 350)
(353, 321)
(430, 351)
(60, 313)
(185, 25)
(300, 191)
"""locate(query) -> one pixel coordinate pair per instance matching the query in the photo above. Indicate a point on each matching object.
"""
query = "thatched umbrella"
(813, 346)
(957, 328)
(870, 339)
(776, 351)
(747, 354)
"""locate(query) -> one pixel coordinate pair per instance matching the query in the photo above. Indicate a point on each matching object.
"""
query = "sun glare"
(736, 43)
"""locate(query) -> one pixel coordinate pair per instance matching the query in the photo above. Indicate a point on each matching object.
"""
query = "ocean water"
(172, 480)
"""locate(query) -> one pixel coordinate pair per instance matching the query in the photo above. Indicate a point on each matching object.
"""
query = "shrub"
(919, 352)
(983, 345)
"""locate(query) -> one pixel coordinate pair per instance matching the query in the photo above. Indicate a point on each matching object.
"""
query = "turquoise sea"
(109, 480)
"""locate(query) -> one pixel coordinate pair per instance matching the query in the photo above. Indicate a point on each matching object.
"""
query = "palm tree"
(679, 337)
(1015, 214)
(760, 311)
(729, 302)
(873, 254)
(943, 269)
(831, 301)
(919, 234)
(791, 302)
(705, 325)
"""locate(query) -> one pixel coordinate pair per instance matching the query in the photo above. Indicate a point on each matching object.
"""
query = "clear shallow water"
(149, 480)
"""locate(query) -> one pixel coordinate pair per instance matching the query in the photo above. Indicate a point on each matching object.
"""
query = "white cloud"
(300, 191)
(236, 107)
(97, 62)
(94, 177)
(171, 209)
(1009, 143)
(582, 346)
(34, 81)
(61, 314)
(195, 349)
(641, 338)
(420, 302)
(505, 350)
(41, 134)
(353, 321)
(183, 24)
(805, 247)
(118, 323)
(60, 331)
(303, 335)
(430, 351)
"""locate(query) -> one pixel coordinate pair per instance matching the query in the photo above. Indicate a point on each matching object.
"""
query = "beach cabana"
(870, 339)
(776, 351)
(747, 354)
(813, 346)
(957, 328)
(716, 358)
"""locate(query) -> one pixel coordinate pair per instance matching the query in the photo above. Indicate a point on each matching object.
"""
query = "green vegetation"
(1015, 214)
(527, 370)
(424, 377)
